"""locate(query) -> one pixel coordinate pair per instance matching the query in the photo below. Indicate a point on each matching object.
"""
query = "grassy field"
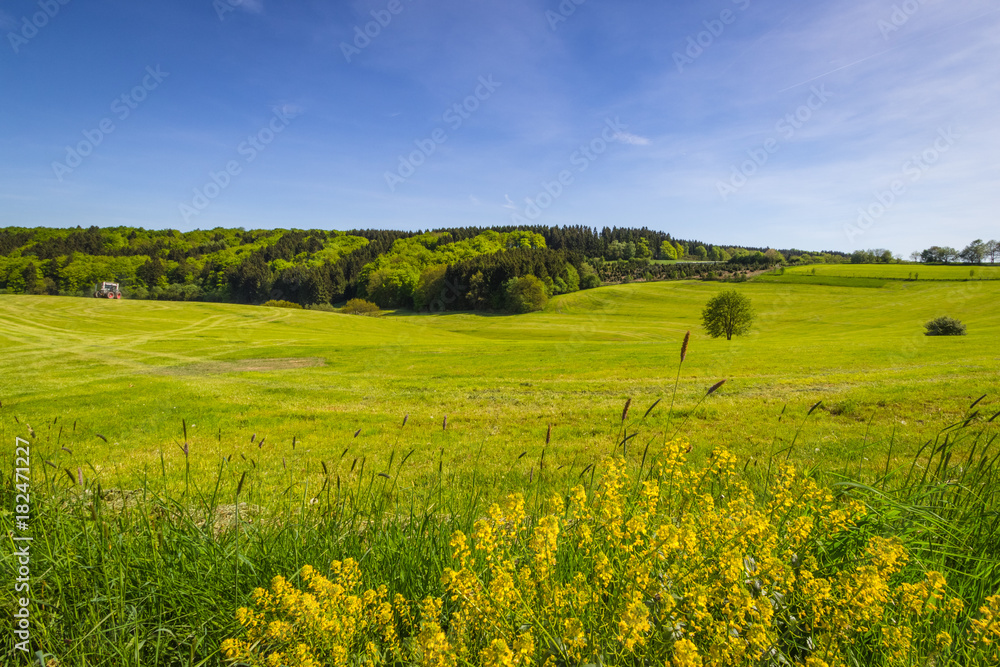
(121, 376)
(184, 454)
(899, 271)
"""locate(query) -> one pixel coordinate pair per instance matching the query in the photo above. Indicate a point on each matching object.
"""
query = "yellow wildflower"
(685, 654)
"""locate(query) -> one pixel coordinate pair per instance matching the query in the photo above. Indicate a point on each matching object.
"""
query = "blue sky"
(835, 125)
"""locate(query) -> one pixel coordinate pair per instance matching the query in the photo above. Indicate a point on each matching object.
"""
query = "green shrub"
(525, 294)
(361, 307)
(944, 326)
(590, 281)
(279, 303)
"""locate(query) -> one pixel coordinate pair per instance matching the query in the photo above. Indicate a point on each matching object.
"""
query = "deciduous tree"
(525, 294)
(974, 252)
(728, 314)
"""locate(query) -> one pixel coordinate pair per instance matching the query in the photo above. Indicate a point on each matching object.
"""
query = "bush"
(137, 292)
(590, 281)
(324, 307)
(944, 326)
(281, 304)
(361, 307)
(525, 294)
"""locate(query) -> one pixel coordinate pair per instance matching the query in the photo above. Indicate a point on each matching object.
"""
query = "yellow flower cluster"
(986, 631)
(683, 567)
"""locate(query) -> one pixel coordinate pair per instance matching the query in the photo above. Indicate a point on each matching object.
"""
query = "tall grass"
(130, 574)
(945, 502)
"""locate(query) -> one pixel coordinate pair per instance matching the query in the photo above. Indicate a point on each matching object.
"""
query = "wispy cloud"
(631, 139)
(252, 6)
(682, 133)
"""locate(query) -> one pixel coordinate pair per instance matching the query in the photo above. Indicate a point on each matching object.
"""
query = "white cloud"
(632, 139)
(252, 6)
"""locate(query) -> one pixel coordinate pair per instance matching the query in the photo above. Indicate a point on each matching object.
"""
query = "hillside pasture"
(110, 386)
(900, 271)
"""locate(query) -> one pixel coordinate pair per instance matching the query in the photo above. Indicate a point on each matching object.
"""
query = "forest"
(445, 269)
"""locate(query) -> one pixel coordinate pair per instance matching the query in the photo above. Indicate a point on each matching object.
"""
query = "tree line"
(976, 252)
(500, 268)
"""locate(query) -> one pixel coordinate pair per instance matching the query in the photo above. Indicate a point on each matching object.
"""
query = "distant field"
(131, 371)
(789, 278)
(899, 271)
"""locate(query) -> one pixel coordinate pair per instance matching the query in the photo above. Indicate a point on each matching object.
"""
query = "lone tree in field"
(728, 314)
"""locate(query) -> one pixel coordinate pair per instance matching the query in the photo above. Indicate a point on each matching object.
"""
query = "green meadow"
(899, 271)
(185, 454)
(110, 386)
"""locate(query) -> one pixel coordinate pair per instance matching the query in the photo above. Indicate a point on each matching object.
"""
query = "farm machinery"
(107, 291)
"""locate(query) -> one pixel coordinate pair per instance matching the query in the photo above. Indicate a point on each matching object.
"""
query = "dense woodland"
(446, 269)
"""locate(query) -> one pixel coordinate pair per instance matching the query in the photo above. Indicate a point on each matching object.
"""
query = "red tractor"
(107, 291)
